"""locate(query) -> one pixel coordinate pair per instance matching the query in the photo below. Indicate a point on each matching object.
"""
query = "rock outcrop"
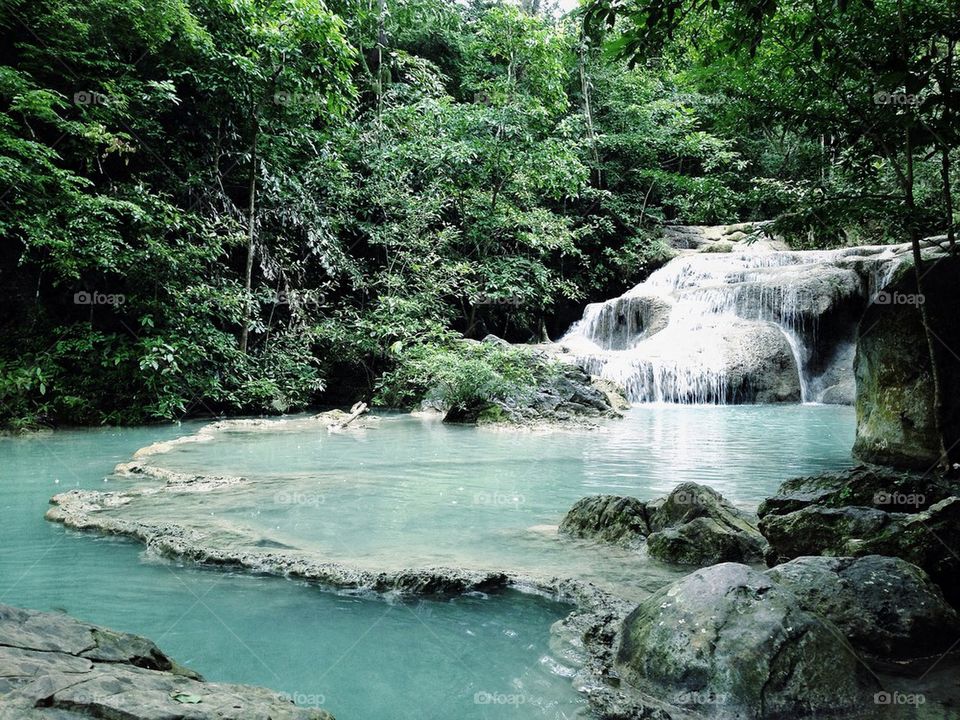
(608, 518)
(693, 525)
(728, 642)
(896, 421)
(565, 394)
(58, 668)
(868, 511)
(884, 606)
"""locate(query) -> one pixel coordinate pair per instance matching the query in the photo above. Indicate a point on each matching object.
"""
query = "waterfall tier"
(754, 324)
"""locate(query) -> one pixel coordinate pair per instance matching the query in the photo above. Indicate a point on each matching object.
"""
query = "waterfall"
(742, 326)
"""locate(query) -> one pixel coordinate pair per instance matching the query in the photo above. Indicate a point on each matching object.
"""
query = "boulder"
(885, 606)
(57, 668)
(759, 364)
(728, 642)
(868, 511)
(816, 530)
(696, 525)
(704, 541)
(873, 486)
(896, 421)
(693, 525)
(608, 518)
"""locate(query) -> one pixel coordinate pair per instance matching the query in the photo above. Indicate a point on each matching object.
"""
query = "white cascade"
(714, 327)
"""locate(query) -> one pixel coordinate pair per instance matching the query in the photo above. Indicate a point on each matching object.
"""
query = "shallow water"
(473, 658)
(405, 493)
(415, 492)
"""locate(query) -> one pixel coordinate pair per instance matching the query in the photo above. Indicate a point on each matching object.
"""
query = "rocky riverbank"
(53, 667)
(563, 395)
(856, 617)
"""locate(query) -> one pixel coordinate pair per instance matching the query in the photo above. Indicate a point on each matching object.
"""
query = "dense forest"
(248, 206)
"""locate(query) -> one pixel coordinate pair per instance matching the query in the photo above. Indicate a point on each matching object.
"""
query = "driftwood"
(339, 420)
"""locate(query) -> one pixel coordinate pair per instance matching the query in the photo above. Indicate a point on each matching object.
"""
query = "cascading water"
(742, 326)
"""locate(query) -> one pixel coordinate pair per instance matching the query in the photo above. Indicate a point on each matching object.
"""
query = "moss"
(492, 414)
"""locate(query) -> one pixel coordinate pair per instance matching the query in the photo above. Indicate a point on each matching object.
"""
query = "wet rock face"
(896, 424)
(693, 525)
(759, 364)
(608, 518)
(728, 642)
(884, 606)
(57, 668)
(868, 511)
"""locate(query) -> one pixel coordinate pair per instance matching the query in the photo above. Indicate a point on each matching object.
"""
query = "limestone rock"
(728, 642)
(884, 606)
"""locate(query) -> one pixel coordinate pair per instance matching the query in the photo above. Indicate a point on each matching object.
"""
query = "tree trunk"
(935, 366)
(588, 109)
(945, 146)
(251, 235)
(381, 44)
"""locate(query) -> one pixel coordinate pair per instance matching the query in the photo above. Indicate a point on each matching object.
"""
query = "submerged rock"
(693, 525)
(608, 518)
(57, 668)
(884, 606)
(728, 642)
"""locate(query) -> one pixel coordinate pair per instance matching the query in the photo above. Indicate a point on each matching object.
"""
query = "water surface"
(363, 659)
(414, 492)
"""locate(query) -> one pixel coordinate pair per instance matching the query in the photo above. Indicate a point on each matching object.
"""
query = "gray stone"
(53, 667)
(896, 420)
(693, 525)
(869, 511)
(728, 642)
(608, 518)
(885, 606)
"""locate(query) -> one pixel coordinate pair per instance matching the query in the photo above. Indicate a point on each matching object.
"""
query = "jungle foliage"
(213, 206)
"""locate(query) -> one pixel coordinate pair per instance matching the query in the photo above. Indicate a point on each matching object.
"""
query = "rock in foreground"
(727, 642)
(884, 606)
(55, 667)
(868, 511)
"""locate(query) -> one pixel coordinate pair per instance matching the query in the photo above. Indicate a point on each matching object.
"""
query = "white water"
(675, 337)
